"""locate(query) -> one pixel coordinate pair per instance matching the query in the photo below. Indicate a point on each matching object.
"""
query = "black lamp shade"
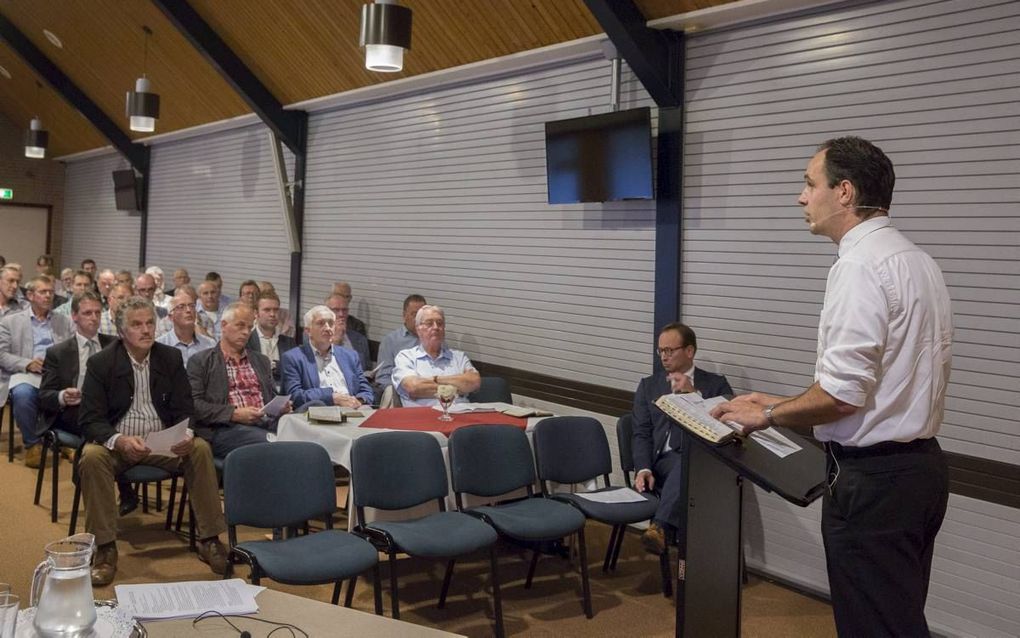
(142, 104)
(39, 139)
(388, 24)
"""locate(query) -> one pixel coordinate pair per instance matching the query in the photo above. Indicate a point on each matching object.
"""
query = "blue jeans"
(25, 404)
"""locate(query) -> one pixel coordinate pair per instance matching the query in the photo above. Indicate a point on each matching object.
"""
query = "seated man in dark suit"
(230, 385)
(134, 387)
(343, 334)
(266, 338)
(322, 372)
(658, 442)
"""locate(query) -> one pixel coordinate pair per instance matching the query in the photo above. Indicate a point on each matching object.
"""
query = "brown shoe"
(67, 453)
(214, 553)
(33, 456)
(104, 567)
(654, 540)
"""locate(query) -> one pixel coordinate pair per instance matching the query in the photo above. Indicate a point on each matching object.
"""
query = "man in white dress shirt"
(419, 371)
(884, 340)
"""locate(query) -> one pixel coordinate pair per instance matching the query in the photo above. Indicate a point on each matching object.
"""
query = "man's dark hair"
(85, 273)
(214, 276)
(87, 261)
(268, 294)
(248, 282)
(88, 295)
(686, 334)
(413, 299)
(865, 166)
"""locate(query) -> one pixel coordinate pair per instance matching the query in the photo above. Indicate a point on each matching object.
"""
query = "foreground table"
(314, 617)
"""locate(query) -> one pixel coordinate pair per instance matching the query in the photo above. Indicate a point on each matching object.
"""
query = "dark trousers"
(879, 520)
(669, 485)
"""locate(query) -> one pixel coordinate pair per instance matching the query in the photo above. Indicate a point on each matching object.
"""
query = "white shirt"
(141, 417)
(330, 374)
(416, 362)
(83, 357)
(884, 338)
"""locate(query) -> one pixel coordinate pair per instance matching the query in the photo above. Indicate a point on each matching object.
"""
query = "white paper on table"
(274, 407)
(189, 599)
(775, 442)
(464, 408)
(621, 495)
(160, 442)
(30, 378)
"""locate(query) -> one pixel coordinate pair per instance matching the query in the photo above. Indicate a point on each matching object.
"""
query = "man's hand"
(346, 400)
(644, 481)
(72, 396)
(680, 382)
(287, 408)
(246, 415)
(184, 447)
(745, 411)
(35, 365)
(133, 448)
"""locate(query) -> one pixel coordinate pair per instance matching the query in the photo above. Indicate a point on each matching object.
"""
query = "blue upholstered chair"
(493, 460)
(492, 390)
(54, 440)
(399, 470)
(283, 485)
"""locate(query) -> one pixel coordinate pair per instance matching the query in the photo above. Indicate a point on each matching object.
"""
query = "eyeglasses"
(439, 323)
(668, 352)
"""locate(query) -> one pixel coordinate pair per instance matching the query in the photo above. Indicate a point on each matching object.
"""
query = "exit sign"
(6, 193)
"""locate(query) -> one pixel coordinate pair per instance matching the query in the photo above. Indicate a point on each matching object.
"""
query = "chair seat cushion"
(146, 474)
(537, 519)
(440, 535)
(66, 439)
(317, 558)
(613, 513)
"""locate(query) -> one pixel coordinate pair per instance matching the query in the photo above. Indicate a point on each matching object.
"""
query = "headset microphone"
(879, 209)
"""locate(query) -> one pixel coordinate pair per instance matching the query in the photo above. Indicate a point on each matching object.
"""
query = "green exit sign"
(6, 193)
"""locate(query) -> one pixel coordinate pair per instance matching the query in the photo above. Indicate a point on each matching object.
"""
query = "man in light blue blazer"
(322, 372)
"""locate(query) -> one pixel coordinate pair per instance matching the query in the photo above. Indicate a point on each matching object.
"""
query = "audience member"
(230, 385)
(402, 338)
(118, 295)
(125, 277)
(182, 334)
(181, 278)
(343, 289)
(264, 338)
(286, 326)
(419, 371)
(81, 282)
(249, 293)
(134, 387)
(24, 338)
(322, 372)
(145, 286)
(160, 298)
(342, 335)
(658, 442)
(209, 308)
(104, 284)
(89, 266)
(10, 279)
(66, 283)
(215, 278)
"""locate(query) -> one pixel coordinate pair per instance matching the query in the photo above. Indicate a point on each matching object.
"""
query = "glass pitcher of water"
(62, 589)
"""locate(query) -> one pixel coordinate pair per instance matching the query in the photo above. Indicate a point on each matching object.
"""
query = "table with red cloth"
(427, 420)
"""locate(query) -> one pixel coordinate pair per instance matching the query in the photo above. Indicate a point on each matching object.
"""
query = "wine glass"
(446, 394)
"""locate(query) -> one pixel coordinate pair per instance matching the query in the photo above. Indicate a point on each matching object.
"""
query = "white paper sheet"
(774, 442)
(463, 408)
(274, 407)
(622, 495)
(187, 599)
(30, 378)
(160, 442)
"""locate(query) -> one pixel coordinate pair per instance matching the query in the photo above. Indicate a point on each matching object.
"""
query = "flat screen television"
(600, 158)
(125, 189)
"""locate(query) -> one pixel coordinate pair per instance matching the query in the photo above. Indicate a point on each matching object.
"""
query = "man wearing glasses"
(183, 336)
(658, 442)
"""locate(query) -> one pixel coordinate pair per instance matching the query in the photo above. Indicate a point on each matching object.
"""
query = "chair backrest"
(491, 390)
(278, 484)
(396, 470)
(489, 460)
(624, 432)
(571, 449)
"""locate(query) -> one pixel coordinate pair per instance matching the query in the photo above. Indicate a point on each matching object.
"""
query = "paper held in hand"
(274, 407)
(160, 442)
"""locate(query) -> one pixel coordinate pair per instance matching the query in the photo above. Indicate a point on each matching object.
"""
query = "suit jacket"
(60, 371)
(283, 344)
(16, 340)
(359, 343)
(207, 372)
(301, 376)
(651, 425)
(356, 325)
(110, 388)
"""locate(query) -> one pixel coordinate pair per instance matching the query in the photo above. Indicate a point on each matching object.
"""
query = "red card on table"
(427, 420)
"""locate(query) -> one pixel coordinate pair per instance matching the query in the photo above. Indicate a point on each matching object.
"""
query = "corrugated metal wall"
(937, 86)
(93, 227)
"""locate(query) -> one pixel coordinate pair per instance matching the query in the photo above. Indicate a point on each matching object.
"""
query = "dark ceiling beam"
(655, 56)
(289, 126)
(136, 154)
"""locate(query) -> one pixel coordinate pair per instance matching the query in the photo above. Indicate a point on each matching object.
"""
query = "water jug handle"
(41, 571)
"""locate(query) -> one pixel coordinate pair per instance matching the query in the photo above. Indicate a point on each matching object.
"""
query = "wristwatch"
(768, 414)
(435, 379)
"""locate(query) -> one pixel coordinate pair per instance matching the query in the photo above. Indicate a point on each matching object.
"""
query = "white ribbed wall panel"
(937, 86)
(214, 204)
(93, 227)
(443, 194)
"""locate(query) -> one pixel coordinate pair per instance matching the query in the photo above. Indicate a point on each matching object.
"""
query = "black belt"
(886, 448)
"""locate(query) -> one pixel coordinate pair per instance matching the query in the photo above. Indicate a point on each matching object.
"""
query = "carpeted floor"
(626, 603)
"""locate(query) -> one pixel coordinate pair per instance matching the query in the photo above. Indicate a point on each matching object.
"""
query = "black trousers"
(879, 521)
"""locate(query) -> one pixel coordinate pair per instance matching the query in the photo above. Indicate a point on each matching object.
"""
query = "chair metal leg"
(585, 589)
(377, 589)
(497, 600)
(446, 583)
(145, 498)
(74, 509)
(394, 602)
(531, 570)
(349, 597)
(42, 469)
(667, 573)
(610, 547)
(159, 496)
(170, 504)
(336, 592)
(56, 479)
(10, 432)
(616, 550)
(180, 507)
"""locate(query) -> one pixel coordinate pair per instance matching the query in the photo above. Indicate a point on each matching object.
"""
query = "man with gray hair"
(132, 388)
(322, 372)
(10, 279)
(105, 281)
(419, 371)
(159, 298)
(182, 333)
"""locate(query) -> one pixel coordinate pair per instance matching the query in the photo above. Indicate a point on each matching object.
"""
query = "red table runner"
(427, 420)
